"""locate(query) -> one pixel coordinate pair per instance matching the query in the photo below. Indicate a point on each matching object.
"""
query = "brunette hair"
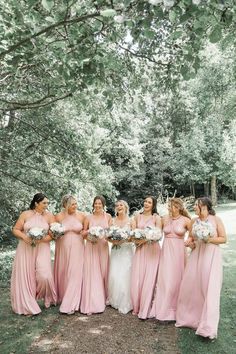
(38, 197)
(208, 203)
(66, 200)
(154, 203)
(100, 197)
(178, 202)
(125, 204)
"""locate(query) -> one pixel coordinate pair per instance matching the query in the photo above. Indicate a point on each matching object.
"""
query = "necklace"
(175, 218)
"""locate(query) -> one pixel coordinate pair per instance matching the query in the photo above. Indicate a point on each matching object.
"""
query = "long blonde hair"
(178, 202)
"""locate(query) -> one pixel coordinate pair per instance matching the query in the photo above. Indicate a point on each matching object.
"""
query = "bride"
(120, 263)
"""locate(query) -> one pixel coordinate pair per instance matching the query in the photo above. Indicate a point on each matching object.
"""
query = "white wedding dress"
(119, 277)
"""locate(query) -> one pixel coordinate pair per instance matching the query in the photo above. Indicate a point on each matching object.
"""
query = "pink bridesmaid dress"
(144, 272)
(95, 276)
(171, 270)
(68, 266)
(199, 297)
(32, 277)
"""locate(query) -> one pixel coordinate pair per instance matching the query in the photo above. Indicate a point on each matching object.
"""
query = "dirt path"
(107, 333)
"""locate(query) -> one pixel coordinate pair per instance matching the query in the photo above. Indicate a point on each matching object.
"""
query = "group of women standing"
(152, 281)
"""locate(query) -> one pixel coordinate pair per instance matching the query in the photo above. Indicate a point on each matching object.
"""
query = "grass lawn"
(188, 342)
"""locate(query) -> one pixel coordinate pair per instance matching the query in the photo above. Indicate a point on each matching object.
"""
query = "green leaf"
(108, 13)
(172, 16)
(216, 35)
(149, 34)
(47, 4)
(177, 34)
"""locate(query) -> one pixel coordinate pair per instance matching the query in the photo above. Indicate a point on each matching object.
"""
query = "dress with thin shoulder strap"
(68, 265)
(144, 272)
(95, 274)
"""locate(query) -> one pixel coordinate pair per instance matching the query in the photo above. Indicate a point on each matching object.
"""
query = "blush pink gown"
(68, 266)
(95, 275)
(171, 270)
(32, 277)
(199, 297)
(144, 272)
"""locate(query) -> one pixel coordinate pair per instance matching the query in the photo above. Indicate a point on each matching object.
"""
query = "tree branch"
(30, 105)
(47, 29)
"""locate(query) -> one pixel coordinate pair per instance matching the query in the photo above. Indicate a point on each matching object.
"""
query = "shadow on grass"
(18, 332)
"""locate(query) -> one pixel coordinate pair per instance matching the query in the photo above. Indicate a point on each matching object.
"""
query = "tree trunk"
(206, 189)
(192, 188)
(213, 190)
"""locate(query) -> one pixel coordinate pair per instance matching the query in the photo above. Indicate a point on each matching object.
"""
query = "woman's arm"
(190, 240)
(18, 229)
(109, 219)
(133, 222)
(158, 221)
(222, 238)
(84, 232)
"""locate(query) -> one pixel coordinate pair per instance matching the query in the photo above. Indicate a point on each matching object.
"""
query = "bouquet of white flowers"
(150, 234)
(153, 234)
(36, 234)
(115, 233)
(57, 230)
(137, 234)
(203, 230)
(96, 233)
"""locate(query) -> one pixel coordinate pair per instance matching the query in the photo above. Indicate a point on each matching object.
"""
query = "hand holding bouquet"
(149, 234)
(36, 234)
(95, 233)
(57, 230)
(203, 230)
(117, 235)
(138, 236)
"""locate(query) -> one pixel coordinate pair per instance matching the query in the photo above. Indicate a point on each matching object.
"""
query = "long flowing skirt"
(199, 298)
(95, 277)
(120, 277)
(170, 274)
(68, 271)
(32, 279)
(144, 277)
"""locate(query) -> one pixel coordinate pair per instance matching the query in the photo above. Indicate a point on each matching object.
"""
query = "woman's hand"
(26, 239)
(140, 242)
(45, 239)
(116, 242)
(190, 243)
(84, 233)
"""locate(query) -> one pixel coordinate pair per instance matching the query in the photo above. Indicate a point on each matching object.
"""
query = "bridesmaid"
(95, 275)
(120, 263)
(172, 261)
(199, 298)
(145, 262)
(69, 257)
(32, 277)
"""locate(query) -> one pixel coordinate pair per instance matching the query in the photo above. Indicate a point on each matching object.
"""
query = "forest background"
(119, 98)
